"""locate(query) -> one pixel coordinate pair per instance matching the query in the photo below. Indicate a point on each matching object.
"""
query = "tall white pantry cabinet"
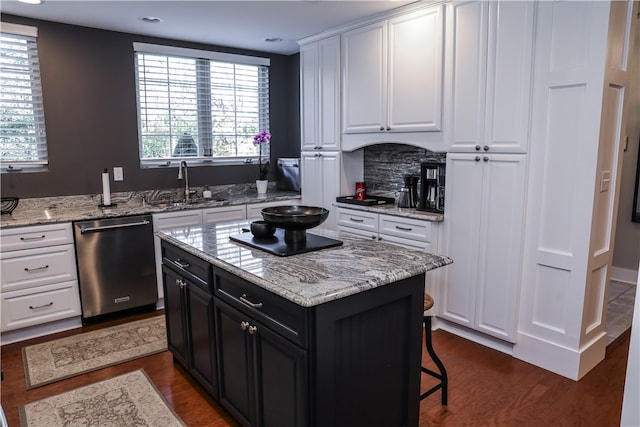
(532, 119)
(488, 73)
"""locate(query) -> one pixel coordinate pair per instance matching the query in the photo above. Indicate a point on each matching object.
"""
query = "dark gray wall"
(88, 85)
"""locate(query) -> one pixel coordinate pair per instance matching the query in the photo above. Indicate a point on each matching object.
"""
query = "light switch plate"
(605, 180)
(118, 174)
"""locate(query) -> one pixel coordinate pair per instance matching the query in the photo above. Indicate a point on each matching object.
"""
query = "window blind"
(23, 141)
(198, 108)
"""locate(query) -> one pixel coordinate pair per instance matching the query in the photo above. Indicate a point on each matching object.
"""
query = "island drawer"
(189, 265)
(284, 317)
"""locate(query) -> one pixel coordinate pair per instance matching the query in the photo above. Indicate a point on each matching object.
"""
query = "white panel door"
(309, 70)
(329, 94)
(415, 71)
(321, 183)
(501, 234)
(466, 72)
(457, 295)
(364, 82)
(320, 94)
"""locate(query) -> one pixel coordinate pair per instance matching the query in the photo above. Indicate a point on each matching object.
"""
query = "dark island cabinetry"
(189, 316)
(352, 361)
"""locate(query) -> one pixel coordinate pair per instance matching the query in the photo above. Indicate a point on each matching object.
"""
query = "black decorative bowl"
(295, 220)
(262, 229)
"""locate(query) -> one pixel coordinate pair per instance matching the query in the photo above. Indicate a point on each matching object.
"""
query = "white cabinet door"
(163, 221)
(483, 229)
(500, 244)
(309, 70)
(364, 65)
(415, 71)
(320, 94)
(321, 182)
(223, 213)
(462, 235)
(489, 47)
(465, 68)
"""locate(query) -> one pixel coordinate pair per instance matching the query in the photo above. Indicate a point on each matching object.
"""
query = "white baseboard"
(40, 330)
(471, 335)
(624, 275)
(557, 358)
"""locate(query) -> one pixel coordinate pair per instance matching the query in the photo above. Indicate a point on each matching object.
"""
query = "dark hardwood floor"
(487, 388)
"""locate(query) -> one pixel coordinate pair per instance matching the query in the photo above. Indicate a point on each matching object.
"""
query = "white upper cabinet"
(320, 94)
(488, 70)
(392, 80)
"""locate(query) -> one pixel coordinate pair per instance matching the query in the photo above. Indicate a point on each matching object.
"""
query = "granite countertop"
(78, 208)
(311, 278)
(392, 209)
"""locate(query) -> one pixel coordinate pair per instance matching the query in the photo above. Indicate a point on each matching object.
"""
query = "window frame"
(200, 55)
(30, 34)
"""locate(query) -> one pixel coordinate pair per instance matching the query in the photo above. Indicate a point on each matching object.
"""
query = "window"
(198, 105)
(23, 142)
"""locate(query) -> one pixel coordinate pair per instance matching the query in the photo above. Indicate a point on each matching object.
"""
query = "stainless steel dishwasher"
(116, 264)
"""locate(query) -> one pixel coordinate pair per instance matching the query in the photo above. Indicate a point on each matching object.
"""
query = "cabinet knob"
(244, 325)
(180, 283)
(253, 330)
(485, 148)
(477, 148)
(477, 158)
(485, 158)
(381, 127)
(388, 128)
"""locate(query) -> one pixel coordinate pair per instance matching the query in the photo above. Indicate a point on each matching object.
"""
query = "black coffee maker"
(408, 197)
(432, 182)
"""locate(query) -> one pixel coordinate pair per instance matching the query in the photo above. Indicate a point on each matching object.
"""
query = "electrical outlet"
(118, 174)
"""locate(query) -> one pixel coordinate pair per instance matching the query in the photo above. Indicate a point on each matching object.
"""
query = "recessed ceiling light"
(31, 1)
(150, 19)
(273, 39)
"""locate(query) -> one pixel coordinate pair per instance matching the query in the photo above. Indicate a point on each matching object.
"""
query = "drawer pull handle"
(40, 306)
(30, 269)
(404, 228)
(356, 219)
(182, 264)
(245, 300)
(29, 239)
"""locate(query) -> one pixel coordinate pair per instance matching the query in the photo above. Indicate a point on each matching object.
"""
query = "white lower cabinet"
(483, 229)
(321, 173)
(38, 276)
(408, 232)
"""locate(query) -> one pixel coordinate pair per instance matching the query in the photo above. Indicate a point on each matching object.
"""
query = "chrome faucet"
(183, 167)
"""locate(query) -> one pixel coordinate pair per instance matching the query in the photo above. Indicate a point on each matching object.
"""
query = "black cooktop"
(277, 246)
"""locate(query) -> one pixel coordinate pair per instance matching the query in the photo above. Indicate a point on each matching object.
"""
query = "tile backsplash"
(386, 164)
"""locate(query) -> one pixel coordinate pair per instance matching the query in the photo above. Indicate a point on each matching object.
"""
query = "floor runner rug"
(126, 400)
(67, 357)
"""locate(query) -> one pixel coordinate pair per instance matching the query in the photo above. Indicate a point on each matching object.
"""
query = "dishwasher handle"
(109, 227)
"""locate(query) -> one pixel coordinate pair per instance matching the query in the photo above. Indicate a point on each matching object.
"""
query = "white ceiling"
(240, 24)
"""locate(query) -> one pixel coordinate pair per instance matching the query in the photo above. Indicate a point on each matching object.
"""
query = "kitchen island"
(325, 338)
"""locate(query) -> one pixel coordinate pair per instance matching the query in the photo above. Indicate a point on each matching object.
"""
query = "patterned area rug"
(127, 400)
(59, 359)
